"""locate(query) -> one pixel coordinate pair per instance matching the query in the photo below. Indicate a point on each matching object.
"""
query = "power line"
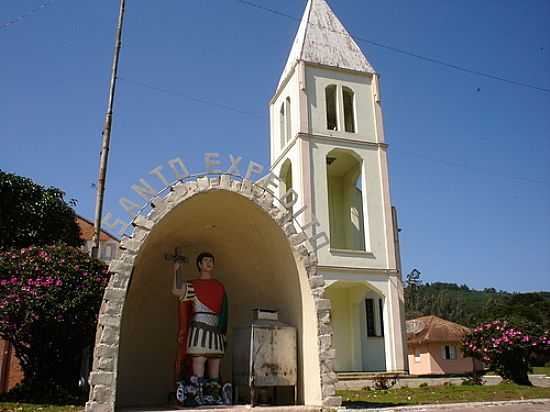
(453, 164)
(22, 17)
(402, 51)
(189, 97)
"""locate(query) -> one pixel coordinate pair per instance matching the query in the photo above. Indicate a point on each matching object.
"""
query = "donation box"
(265, 360)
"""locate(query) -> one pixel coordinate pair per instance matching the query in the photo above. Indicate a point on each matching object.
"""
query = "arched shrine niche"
(260, 261)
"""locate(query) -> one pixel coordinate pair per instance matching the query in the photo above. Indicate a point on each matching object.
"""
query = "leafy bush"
(33, 215)
(505, 349)
(49, 302)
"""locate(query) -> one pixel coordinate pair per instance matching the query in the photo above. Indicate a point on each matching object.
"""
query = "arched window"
(345, 197)
(332, 107)
(282, 125)
(348, 98)
(288, 121)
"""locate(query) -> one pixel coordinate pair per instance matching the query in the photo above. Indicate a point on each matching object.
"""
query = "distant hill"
(470, 307)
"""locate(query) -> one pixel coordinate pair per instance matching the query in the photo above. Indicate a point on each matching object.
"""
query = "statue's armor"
(206, 335)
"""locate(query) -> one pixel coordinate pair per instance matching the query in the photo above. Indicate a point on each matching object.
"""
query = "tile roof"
(433, 329)
(87, 230)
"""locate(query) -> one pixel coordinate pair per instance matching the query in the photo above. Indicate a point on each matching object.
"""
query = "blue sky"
(469, 156)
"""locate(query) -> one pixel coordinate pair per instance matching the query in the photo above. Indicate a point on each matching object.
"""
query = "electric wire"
(188, 97)
(22, 17)
(402, 51)
(398, 149)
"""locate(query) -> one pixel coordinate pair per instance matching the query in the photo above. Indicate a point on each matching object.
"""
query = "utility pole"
(106, 134)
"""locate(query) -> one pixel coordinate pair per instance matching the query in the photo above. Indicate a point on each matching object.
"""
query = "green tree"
(31, 214)
(49, 301)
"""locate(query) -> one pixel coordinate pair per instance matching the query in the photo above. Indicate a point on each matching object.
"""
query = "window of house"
(282, 125)
(348, 98)
(332, 107)
(369, 306)
(381, 315)
(448, 352)
(417, 355)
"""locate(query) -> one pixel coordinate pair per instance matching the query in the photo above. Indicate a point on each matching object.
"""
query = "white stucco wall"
(317, 79)
(376, 211)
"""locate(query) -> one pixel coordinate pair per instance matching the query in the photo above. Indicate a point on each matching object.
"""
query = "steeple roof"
(322, 39)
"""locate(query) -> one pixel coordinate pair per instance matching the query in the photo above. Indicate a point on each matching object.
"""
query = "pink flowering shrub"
(49, 302)
(505, 349)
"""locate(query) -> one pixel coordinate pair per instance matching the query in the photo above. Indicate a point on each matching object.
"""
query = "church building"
(328, 262)
(327, 143)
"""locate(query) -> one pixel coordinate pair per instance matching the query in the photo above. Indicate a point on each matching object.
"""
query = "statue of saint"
(202, 323)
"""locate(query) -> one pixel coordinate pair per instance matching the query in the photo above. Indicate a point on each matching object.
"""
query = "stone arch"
(105, 371)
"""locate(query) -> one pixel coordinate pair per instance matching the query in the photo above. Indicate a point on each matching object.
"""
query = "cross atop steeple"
(322, 39)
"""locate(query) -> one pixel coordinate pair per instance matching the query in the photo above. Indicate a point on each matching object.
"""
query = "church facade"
(327, 143)
(344, 296)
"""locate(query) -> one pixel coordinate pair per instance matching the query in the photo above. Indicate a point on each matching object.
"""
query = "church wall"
(291, 90)
(317, 79)
(374, 209)
(355, 351)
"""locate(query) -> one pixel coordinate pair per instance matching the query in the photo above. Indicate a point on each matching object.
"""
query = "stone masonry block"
(328, 390)
(115, 294)
(106, 364)
(109, 336)
(109, 320)
(179, 191)
(130, 245)
(98, 407)
(101, 378)
(225, 182)
(289, 229)
(332, 401)
(103, 350)
(203, 183)
(119, 280)
(316, 282)
(236, 186)
(266, 202)
(298, 238)
(302, 251)
(325, 342)
(215, 182)
(323, 304)
(143, 223)
(101, 394)
(119, 266)
(246, 188)
(324, 316)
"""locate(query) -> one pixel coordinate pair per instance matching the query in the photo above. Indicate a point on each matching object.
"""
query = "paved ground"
(539, 405)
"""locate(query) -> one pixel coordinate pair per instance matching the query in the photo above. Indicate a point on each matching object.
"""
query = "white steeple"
(322, 39)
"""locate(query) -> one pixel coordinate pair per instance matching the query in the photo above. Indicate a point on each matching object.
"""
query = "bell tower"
(327, 143)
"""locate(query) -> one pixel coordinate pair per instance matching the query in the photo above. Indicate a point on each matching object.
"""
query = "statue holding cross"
(202, 321)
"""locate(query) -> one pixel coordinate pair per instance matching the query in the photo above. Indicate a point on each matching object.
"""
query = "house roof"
(433, 329)
(87, 230)
(322, 39)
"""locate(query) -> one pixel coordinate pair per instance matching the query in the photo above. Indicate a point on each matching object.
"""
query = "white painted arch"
(256, 249)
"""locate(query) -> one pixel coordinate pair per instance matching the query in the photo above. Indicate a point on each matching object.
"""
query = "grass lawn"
(542, 370)
(29, 407)
(441, 394)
